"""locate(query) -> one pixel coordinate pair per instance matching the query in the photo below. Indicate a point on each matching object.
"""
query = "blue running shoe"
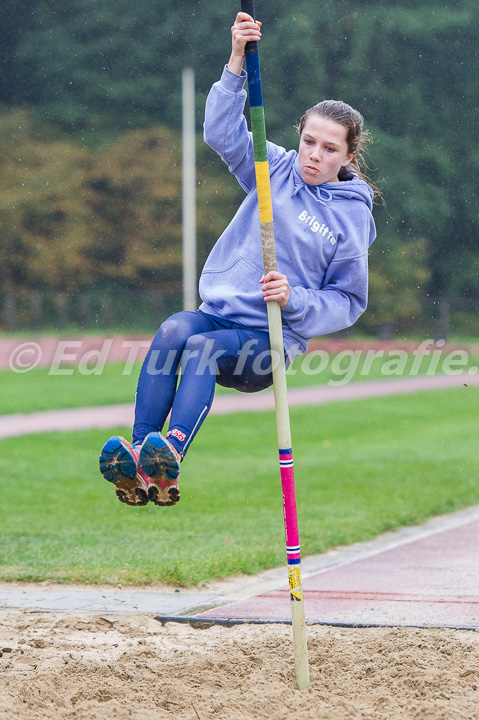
(119, 465)
(159, 460)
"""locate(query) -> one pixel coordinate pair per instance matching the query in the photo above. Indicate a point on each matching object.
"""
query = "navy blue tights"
(208, 350)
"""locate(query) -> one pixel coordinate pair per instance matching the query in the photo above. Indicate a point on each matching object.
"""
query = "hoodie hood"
(352, 188)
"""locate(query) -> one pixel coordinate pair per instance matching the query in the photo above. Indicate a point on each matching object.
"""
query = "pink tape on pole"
(293, 551)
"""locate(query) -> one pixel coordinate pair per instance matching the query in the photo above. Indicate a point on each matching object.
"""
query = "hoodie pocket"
(235, 289)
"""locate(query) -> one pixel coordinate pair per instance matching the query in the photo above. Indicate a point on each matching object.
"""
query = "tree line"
(90, 98)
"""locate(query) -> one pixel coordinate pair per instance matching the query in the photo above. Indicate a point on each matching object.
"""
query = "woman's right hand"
(244, 30)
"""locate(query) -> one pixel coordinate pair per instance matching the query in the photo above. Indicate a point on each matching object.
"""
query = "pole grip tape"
(263, 186)
(247, 6)
(289, 506)
(255, 92)
(258, 129)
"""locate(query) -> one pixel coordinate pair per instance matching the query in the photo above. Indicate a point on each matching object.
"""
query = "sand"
(115, 666)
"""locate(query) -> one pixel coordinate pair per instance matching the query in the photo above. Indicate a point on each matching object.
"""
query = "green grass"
(38, 390)
(362, 468)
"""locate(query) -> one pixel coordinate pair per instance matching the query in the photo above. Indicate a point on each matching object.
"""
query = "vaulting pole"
(293, 553)
(190, 279)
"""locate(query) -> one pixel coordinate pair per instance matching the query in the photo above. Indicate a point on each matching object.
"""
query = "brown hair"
(357, 137)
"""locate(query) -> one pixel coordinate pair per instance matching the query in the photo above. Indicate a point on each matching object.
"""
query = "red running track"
(429, 582)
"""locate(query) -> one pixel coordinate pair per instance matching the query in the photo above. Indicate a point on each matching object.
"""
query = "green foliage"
(416, 87)
(97, 70)
(135, 204)
(72, 218)
(95, 65)
(17, 19)
(397, 279)
(43, 206)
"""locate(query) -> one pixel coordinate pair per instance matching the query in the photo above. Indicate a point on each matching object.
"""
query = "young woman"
(323, 228)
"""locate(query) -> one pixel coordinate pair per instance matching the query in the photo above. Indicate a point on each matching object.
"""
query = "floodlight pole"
(189, 191)
(278, 361)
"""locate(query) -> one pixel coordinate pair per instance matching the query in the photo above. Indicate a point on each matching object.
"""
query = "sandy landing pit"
(59, 665)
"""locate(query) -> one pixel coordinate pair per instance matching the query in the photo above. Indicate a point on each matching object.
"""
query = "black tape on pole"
(247, 6)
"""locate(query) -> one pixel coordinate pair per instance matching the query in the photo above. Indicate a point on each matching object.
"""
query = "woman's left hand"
(275, 288)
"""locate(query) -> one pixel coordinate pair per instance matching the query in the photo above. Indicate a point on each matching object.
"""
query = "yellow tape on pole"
(264, 192)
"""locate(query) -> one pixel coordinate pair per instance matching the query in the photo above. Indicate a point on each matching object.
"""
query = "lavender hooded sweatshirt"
(322, 235)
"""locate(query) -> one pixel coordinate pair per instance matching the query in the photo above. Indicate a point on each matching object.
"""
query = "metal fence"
(132, 310)
(104, 310)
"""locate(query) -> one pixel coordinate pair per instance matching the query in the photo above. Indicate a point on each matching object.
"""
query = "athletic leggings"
(208, 350)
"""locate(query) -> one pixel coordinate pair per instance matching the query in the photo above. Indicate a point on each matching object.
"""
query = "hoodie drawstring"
(317, 192)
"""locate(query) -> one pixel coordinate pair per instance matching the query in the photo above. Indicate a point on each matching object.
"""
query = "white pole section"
(189, 191)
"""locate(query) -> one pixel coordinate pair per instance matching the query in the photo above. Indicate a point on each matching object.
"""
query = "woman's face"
(323, 150)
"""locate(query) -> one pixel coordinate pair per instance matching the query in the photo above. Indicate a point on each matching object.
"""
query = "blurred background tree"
(90, 117)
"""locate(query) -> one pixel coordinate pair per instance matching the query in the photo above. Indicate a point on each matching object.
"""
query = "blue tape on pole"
(254, 81)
